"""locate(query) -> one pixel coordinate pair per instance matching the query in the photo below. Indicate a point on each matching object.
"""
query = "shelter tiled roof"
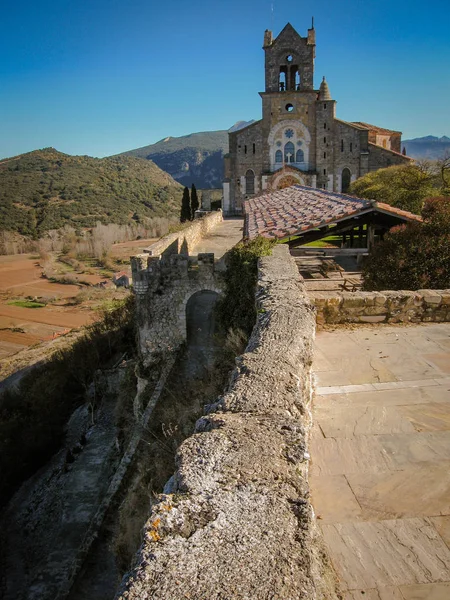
(298, 209)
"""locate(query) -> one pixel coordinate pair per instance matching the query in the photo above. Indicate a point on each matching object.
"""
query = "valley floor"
(380, 451)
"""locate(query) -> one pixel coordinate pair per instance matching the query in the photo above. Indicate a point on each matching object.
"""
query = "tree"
(194, 202)
(443, 165)
(185, 214)
(413, 256)
(404, 186)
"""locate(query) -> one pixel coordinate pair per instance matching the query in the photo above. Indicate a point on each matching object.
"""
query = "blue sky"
(100, 77)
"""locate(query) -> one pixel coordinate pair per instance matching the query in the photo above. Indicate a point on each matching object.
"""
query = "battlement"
(151, 272)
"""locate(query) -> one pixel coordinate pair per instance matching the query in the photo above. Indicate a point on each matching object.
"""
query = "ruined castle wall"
(162, 286)
(235, 519)
(184, 241)
(382, 307)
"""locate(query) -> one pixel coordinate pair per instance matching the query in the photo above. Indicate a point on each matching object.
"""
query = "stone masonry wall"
(235, 520)
(382, 307)
(184, 241)
(163, 285)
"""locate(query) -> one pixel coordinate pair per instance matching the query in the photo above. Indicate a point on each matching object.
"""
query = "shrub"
(236, 309)
(413, 256)
(403, 186)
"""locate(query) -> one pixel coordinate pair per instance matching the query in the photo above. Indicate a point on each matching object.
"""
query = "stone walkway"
(222, 238)
(380, 459)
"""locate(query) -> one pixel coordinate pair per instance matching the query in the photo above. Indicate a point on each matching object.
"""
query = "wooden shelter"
(299, 215)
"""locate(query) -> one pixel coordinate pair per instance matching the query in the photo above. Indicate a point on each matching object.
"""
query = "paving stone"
(413, 383)
(442, 525)
(380, 480)
(333, 499)
(384, 593)
(362, 454)
(388, 553)
(439, 360)
(433, 416)
(432, 591)
(414, 491)
(348, 421)
(405, 450)
(390, 397)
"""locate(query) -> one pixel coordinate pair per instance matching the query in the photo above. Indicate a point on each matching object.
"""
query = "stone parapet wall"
(184, 241)
(235, 520)
(382, 307)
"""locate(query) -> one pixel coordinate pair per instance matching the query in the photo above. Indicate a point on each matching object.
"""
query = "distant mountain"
(196, 158)
(428, 147)
(46, 189)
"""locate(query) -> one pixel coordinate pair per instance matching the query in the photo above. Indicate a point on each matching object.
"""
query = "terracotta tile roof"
(380, 130)
(298, 209)
(391, 151)
(409, 216)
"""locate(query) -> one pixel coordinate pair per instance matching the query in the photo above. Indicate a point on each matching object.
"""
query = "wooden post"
(351, 238)
(370, 236)
(361, 236)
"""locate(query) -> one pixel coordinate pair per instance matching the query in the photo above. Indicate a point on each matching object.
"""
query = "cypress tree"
(194, 202)
(185, 214)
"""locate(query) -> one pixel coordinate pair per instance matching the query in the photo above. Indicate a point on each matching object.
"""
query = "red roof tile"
(299, 209)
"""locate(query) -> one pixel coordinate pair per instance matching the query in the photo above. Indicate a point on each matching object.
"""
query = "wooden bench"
(329, 265)
(350, 284)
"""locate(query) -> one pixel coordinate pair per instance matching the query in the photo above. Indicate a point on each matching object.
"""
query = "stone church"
(299, 140)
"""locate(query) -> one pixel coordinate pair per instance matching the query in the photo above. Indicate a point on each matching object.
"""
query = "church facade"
(299, 140)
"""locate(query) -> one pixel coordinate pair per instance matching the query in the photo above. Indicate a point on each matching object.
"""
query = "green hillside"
(47, 189)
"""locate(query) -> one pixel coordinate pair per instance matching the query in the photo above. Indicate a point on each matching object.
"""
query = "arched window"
(278, 156)
(249, 182)
(297, 81)
(345, 180)
(289, 152)
(282, 81)
(300, 156)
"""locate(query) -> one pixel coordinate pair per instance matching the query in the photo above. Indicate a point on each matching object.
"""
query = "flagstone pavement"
(380, 459)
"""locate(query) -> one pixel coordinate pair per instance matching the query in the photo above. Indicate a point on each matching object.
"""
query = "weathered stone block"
(431, 296)
(375, 310)
(379, 298)
(372, 319)
(353, 300)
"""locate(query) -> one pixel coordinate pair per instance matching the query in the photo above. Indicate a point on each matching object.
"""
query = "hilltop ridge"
(195, 158)
(428, 147)
(46, 189)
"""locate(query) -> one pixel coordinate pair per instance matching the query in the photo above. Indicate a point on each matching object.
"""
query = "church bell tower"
(289, 60)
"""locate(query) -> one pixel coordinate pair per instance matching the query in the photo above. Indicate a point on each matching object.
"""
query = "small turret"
(324, 91)
(268, 39)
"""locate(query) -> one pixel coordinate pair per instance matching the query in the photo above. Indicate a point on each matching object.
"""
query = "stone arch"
(182, 321)
(346, 177)
(286, 178)
(200, 318)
